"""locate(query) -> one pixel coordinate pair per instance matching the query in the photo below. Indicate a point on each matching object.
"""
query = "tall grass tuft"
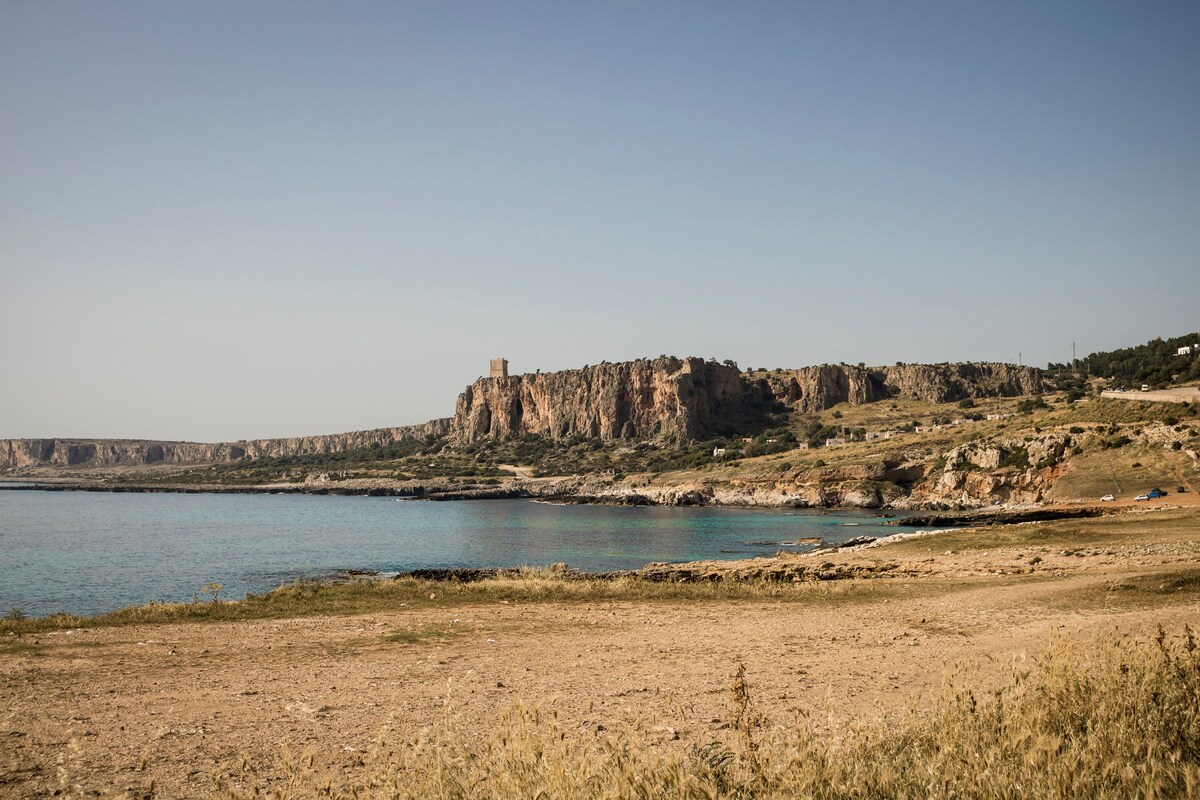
(1115, 724)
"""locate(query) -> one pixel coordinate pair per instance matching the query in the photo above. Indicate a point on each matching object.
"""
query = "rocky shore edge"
(987, 517)
(580, 491)
(768, 569)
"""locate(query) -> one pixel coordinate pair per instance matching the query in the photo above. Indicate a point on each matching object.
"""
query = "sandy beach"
(172, 709)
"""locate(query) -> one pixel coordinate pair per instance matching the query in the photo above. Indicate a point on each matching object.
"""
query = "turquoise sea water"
(89, 552)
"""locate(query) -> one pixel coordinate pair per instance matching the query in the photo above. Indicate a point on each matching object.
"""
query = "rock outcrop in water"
(22, 453)
(684, 399)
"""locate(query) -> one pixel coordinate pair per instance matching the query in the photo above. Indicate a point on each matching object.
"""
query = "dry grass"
(313, 598)
(1121, 722)
(1146, 525)
(1097, 472)
(1118, 412)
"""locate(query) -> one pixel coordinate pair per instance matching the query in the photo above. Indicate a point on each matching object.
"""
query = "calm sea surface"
(89, 552)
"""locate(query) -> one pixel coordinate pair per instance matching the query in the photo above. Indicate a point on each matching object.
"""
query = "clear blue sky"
(224, 219)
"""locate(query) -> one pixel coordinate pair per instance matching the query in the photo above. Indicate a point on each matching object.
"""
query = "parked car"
(1156, 492)
(1108, 498)
(1142, 497)
(1181, 489)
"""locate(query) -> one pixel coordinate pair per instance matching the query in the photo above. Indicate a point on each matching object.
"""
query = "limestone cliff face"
(943, 383)
(338, 442)
(21, 453)
(820, 387)
(684, 398)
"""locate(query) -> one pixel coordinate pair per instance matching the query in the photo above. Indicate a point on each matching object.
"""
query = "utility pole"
(1020, 363)
(1074, 365)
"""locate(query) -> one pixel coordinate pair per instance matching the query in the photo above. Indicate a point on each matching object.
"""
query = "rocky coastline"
(998, 516)
(580, 491)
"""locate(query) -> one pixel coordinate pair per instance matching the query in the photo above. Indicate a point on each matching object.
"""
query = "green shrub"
(1017, 457)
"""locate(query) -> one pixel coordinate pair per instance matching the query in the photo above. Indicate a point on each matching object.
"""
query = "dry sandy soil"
(1181, 394)
(159, 710)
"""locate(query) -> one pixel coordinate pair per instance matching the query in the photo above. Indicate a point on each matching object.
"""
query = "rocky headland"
(662, 405)
(665, 398)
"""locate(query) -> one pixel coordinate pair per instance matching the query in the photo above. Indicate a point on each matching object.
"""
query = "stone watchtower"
(499, 368)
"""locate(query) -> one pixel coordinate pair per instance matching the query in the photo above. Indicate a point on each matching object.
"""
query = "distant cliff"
(19, 453)
(687, 399)
(663, 398)
(820, 387)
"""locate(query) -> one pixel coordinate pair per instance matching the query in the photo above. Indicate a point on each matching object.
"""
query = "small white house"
(1187, 350)
(718, 452)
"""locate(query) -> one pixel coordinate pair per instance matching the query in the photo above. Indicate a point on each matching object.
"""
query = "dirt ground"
(159, 710)
(1180, 394)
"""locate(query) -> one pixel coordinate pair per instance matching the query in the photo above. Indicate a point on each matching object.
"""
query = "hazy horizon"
(224, 221)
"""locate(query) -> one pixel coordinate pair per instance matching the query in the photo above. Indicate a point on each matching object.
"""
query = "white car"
(1141, 497)
(1108, 498)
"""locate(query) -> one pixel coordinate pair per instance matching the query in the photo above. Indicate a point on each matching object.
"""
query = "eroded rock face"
(824, 386)
(820, 387)
(684, 399)
(944, 383)
(21, 453)
(1004, 471)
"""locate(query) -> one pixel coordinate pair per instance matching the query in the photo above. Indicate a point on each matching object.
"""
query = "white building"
(1187, 350)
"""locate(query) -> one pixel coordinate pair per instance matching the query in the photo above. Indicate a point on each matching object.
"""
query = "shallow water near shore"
(87, 552)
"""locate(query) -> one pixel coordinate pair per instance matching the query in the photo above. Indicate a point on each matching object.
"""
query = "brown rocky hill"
(664, 398)
(820, 387)
(686, 399)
